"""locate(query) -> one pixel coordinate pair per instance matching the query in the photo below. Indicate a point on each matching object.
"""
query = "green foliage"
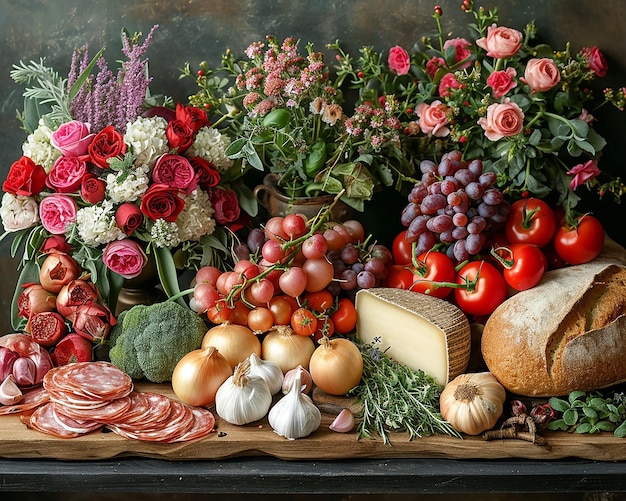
(148, 341)
(590, 412)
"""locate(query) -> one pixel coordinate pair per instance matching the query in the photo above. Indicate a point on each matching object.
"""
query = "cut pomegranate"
(47, 328)
(72, 348)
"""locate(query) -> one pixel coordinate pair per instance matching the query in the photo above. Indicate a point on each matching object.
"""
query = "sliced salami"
(108, 412)
(204, 423)
(46, 420)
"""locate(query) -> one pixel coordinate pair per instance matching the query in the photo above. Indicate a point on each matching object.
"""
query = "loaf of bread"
(567, 333)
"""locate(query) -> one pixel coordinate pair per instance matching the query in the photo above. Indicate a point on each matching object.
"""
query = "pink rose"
(462, 52)
(502, 82)
(433, 118)
(582, 173)
(66, 174)
(541, 74)
(174, 171)
(72, 138)
(597, 61)
(399, 60)
(503, 120)
(433, 65)
(56, 212)
(500, 42)
(448, 82)
(226, 206)
(124, 257)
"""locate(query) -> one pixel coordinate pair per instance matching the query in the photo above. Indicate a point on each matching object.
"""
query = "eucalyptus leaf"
(580, 127)
(559, 129)
(585, 146)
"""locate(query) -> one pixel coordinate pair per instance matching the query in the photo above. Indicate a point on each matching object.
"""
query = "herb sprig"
(397, 398)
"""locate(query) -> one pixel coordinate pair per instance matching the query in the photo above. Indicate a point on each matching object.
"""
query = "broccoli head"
(148, 341)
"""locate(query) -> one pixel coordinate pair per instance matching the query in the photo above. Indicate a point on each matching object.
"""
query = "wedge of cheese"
(417, 330)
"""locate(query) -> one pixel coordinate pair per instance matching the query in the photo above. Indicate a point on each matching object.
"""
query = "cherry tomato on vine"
(524, 265)
(219, 312)
(530, 221)
(345, 316)
(433, 267)
(486, 288)
(319, 301)
(580, 243)
(402, 250)
(281, 309)
(303, 322)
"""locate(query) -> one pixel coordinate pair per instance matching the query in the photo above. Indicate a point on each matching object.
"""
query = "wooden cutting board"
(257, 439)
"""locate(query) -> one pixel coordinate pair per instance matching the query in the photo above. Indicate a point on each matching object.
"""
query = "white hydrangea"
(39, 149)
(195, 220)
(18, 212)
(211, 145)
(96, 224)
(146, 138)
(164, 234)
(127, 186)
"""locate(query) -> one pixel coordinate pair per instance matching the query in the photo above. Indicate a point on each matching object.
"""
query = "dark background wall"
(197, 30)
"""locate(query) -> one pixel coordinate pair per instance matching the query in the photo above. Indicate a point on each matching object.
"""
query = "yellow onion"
(234, 342)
(336, 366)
(199, 374)
(287, 349)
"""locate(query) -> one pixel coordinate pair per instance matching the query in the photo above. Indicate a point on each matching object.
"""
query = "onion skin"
(234, 342)
(336, 366)
(198, 375)
(287, 349)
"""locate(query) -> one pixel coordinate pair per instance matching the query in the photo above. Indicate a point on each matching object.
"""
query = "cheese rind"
(420, 331)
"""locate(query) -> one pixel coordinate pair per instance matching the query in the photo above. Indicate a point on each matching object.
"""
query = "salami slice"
(103, 414)
(204, 423)
(46, 420)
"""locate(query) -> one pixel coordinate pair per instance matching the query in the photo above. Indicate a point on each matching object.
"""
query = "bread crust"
(567, 333)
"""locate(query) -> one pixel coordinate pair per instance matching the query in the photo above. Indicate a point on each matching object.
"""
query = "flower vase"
(143, 289)
(277, 203)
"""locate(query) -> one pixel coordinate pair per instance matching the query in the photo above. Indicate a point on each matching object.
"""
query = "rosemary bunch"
(397, 398)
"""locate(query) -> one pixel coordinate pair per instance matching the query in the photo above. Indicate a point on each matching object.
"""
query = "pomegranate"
(47, 328)
(57, 270)
(93, 321)
(34, 299)
(72, 295)
(72, 348)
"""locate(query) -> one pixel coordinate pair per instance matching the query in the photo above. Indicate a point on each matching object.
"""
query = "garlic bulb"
(295, 415)
(243, 398)
(269, 371)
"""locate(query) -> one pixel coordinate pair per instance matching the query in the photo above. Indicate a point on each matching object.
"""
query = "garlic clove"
(9, 391)
(267, 370)
(344, 422)
(306, 382)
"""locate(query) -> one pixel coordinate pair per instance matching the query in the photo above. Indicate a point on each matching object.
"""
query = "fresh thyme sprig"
(397, 398)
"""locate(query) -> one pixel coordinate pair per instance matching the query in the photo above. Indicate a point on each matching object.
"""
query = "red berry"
(438, 10)
(360, 74)
(200, 73)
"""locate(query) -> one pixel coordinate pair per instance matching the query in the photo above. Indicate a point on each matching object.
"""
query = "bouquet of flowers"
(109, 183)
(287, 112)
(525, 110)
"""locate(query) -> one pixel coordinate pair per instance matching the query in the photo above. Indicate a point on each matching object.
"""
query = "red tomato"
(433, 267)
(401, 249)
(319, 301)
(530, 221)
(219, 313)
(524, 265)
(400, 277)
(580, 243)
(281, 310)
(486, 288)
(345, 316)
(303, 322)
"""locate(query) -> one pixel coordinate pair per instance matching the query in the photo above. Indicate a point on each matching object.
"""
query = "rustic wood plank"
(258, 439)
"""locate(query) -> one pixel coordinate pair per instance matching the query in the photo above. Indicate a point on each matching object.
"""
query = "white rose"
(18, 212)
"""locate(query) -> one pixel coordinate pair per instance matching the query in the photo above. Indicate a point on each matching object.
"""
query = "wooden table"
(253, 459)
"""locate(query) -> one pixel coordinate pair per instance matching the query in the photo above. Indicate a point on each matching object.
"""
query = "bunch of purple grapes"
(455, 204)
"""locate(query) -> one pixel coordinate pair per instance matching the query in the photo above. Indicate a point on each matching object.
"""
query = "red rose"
(226, 206)
(55, 243)
(174, 171)
(179, 136)
(597, 61)
(208, 175)
(25, 178)
(128, 217)
(108, 143)
(195, 118)
(93, 189)
(162, 202)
